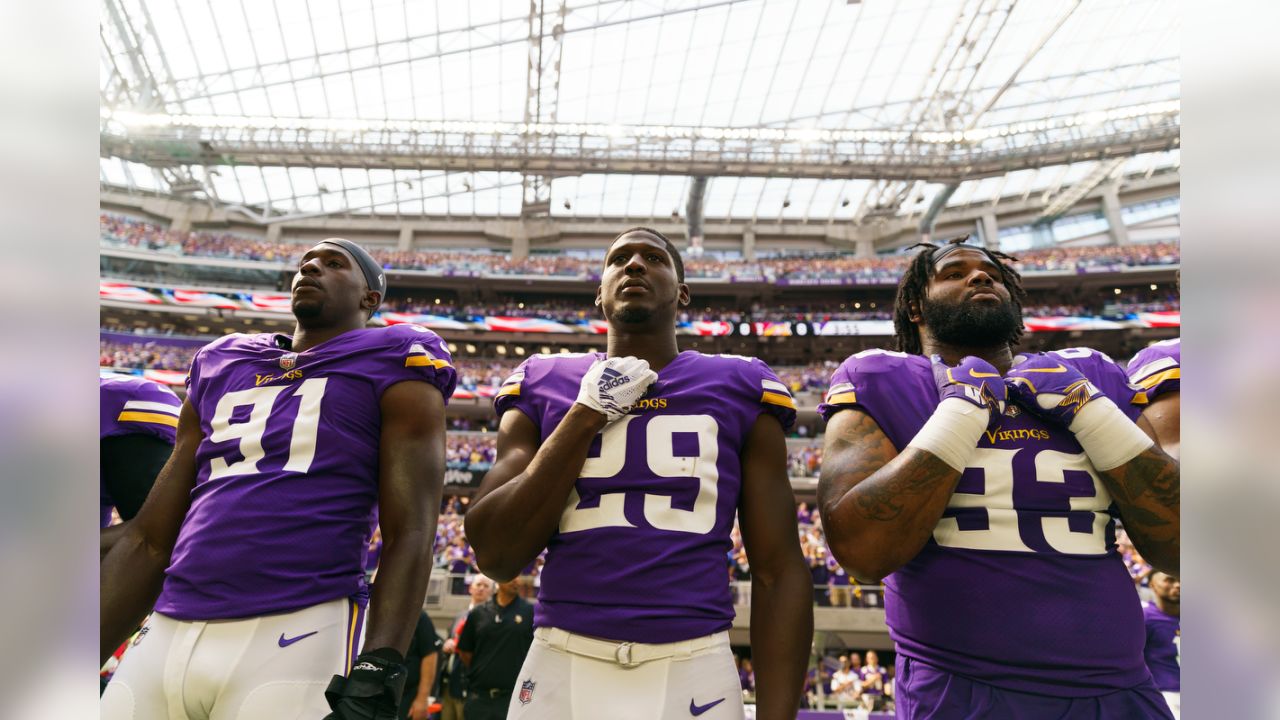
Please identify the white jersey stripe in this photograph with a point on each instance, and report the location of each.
(1152, 368)
(775, 386)
(153, 406)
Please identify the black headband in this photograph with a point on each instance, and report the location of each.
(373, 275)
(949, 248)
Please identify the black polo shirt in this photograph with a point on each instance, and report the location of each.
(498, 639)
(425, 643)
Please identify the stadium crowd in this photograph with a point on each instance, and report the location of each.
(123, 231)
(144, 355)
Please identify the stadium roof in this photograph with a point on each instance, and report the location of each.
(191, 88)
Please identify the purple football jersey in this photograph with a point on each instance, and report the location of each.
(1164, 648)
(287, 470)
(639, 555)
(1021, 585)
(129, 405)
(1157, 368)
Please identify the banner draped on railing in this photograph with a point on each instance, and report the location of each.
(280, 303)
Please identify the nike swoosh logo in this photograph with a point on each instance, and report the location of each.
(975, 373)
(1045, 370)
(286, 642)
(696, 709)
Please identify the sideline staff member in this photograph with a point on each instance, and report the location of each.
(421, 660)
(494, 642)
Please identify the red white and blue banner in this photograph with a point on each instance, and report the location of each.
(712, 328)
(500, 323)
(166, 377)
(270, 302)
(438, 322)
(125, 293)
(199, 298)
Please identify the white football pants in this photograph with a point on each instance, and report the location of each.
(576, 677)
(274, 667)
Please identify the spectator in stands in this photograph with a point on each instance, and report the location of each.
(846, 684)
(120, 231)
(873, 675)
(818, 570)
(839, 583)
(747, 676)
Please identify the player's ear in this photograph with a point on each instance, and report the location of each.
(682, 297)
(913, 312)
(371, 300)
(599, 297)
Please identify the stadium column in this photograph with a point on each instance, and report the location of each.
(864, 245)
(406, 238)
(989, 231)
(520, 243)
(1111, 211)
(273, 232)
(181, 220)
(749, 244)
(861, 238)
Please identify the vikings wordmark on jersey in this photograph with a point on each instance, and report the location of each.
(639, 553)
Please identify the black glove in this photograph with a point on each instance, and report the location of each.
(371, 691)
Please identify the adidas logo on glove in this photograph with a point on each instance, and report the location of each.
(611, 379)
(612, 386)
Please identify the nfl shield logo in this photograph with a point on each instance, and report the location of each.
(288, 361)
(526, 692)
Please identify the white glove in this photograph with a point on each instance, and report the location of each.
(612, 386)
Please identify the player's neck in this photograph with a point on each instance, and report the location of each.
(1172, 609)
(658, 349)
(1001, 356)
(504, 599)
(305, 338)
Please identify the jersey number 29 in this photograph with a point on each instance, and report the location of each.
(660, 455)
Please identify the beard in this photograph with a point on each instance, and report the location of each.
(634, 315)
(307, 309)
(969, 324)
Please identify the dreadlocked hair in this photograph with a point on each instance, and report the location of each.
(915, 283)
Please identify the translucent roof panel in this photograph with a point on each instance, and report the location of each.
(908, 65)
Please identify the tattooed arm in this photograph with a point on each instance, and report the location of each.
(1147, 491)
(878, 506)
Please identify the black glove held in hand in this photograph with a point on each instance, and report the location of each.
(371, 691)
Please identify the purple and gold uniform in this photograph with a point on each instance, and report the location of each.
(287, 469)
(1164, 648)
(129, 405)
(1157, 368)
(1020, 586)
(639, 555)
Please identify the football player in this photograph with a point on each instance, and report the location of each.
(985, 488)
(1157, 369)
(629, 467)
(251, 545)
(137, 421)
(1163, 650)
